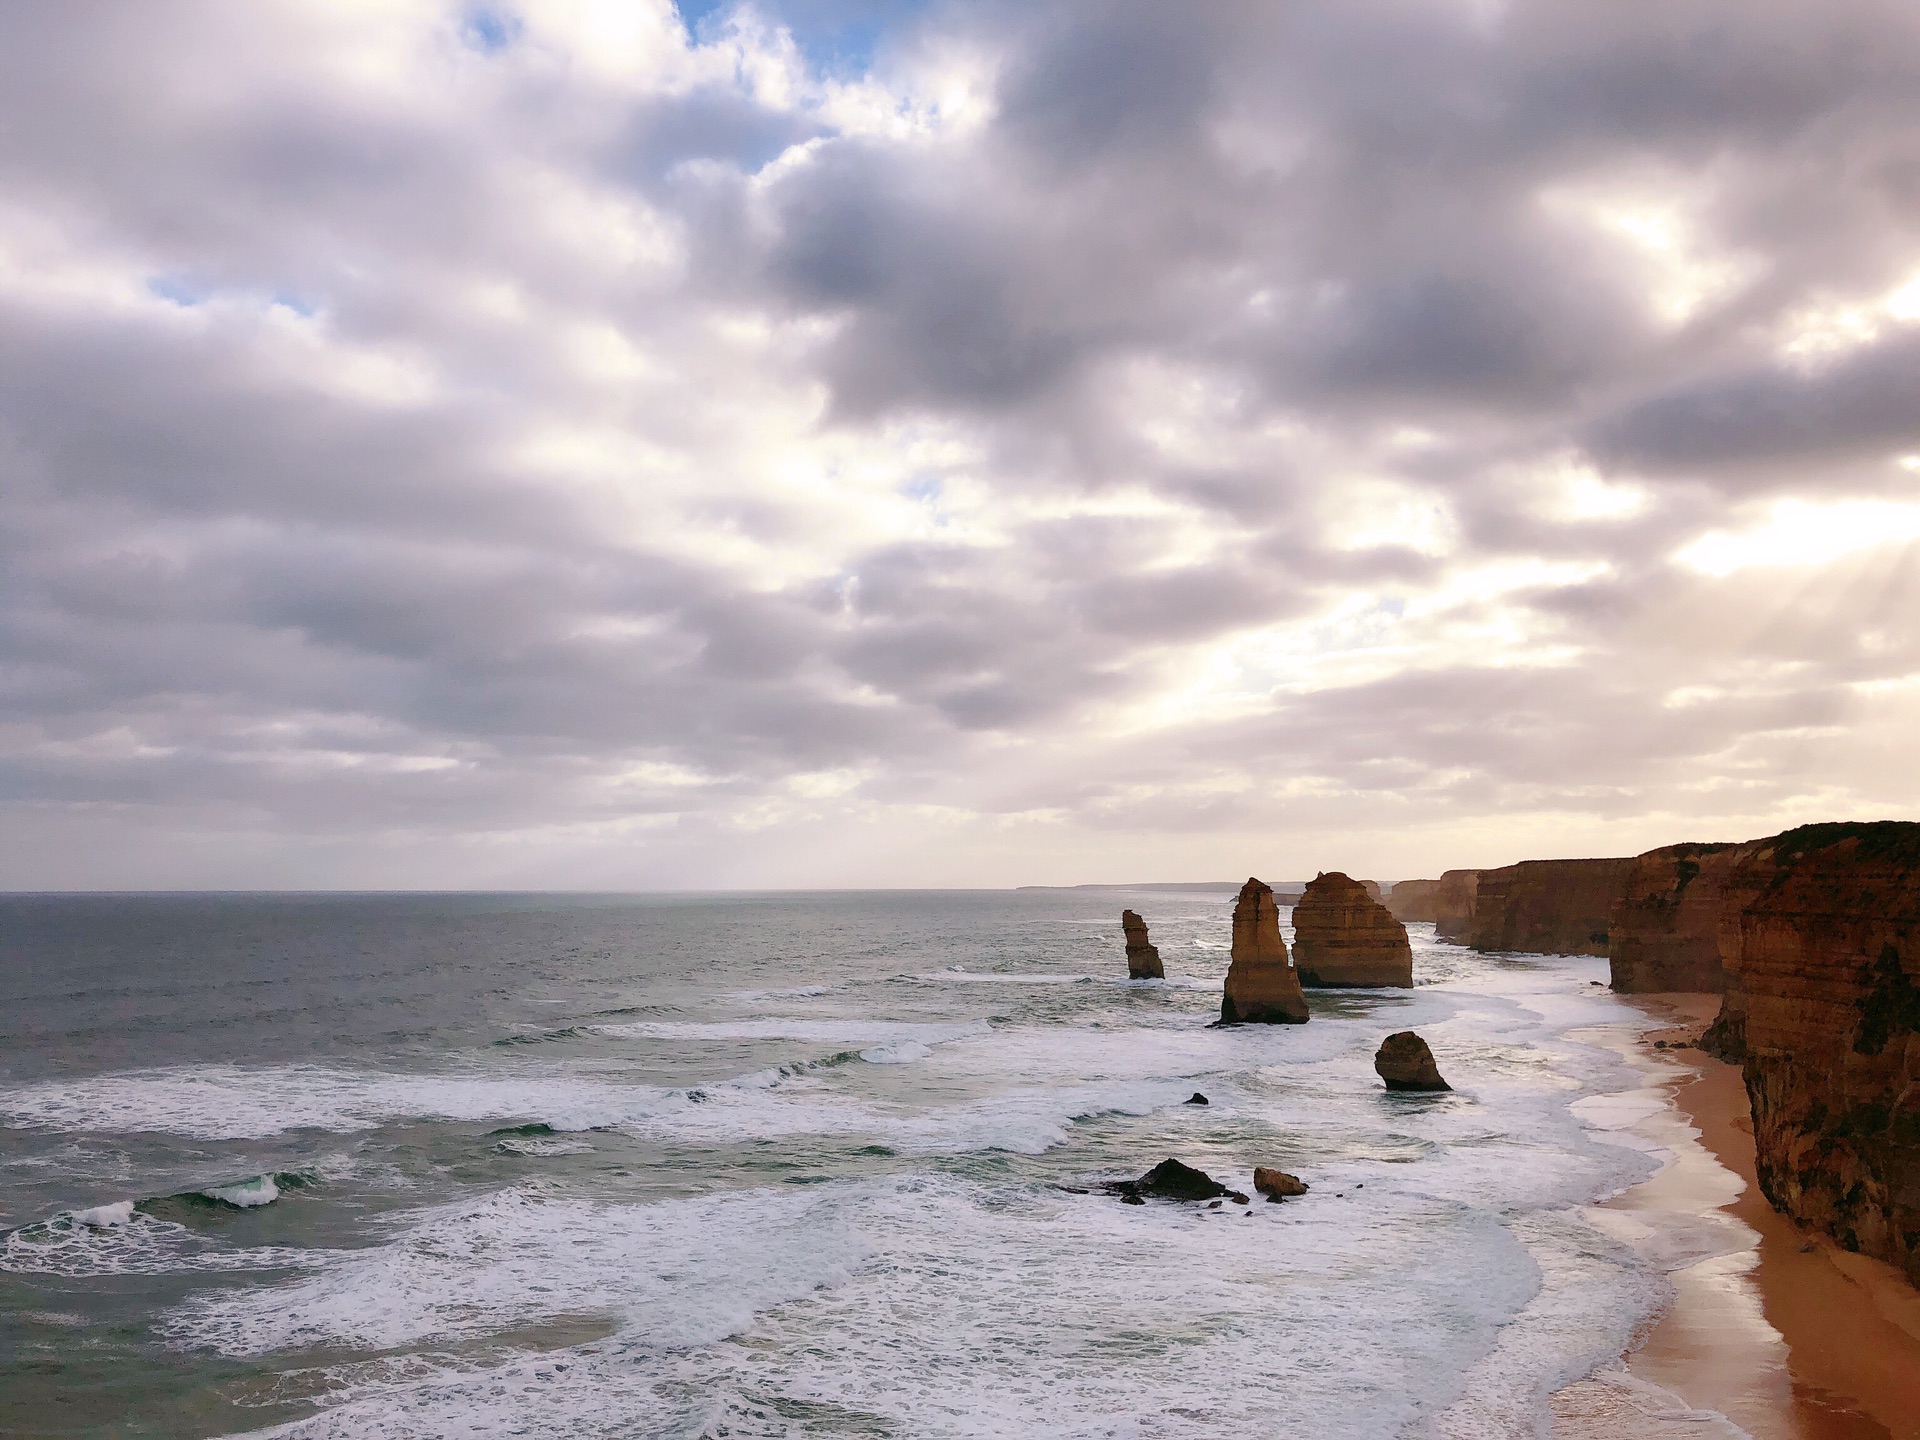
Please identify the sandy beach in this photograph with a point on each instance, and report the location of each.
(1773, 1332)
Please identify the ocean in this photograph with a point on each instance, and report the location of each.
(799, 1164)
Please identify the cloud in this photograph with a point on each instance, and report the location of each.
(832, 443)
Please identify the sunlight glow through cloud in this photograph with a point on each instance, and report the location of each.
(1803, 533)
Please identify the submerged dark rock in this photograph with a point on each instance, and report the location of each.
(1171, 1180)
(1198, 1099)
(1405, 1063)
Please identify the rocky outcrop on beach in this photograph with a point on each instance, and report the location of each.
(1405, 1063)
(1343, 936)
(1143, 960)
(1454, 898)
(1172, 1180)
(1547, 907)
(1262, 987)
(1277, 1185)
(1665, 932)
(1823, 1002)
(1413, 900)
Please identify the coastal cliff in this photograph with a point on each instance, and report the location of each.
(1824, 1004)
(1665, 930)
(1343, 936)
(1262, 987)
(1547, 907)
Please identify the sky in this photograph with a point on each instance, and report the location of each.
(610, 445)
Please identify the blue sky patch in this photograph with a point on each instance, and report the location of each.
(838, 37)
(490, 31)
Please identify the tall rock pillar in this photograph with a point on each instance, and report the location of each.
(1262, 987)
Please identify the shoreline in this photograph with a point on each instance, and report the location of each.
(1773, 1332)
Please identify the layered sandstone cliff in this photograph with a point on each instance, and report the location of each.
(1262, 986)
(1413, 900)
(1143, 958)
(1547, 907)
(1824, 1000)
(1665, 930)
(1343, 936)
(1454, 897)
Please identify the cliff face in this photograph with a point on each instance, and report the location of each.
(1454, 898)
(1262, 987)
(1826, 994)
(1664, 933)
(1411, 900)
(1143, 958)
(1547, 907)
(1343, 936)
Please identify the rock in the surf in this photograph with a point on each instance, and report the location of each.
(1197, 1099)
(1171, 1180)
(1343, 936)
(1405, 1063)
(1277, 1185)
(1261, 987)
(1143, 960)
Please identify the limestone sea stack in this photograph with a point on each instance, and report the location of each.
(1143, 960)
(1343, 936)
(1547, 907)
(1413, 900)
(1405, 1063)
(1454, 898)
(1262, 987)
(1665, 931)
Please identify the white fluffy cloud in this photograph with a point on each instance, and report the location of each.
(594, 443)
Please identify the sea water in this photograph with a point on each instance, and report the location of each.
(778, 1165)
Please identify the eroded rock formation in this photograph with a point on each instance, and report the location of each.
(1824, 1002)
(1665, 932)
(1277, 1185)
(1454, 898)
(1262, 987)
(1405, 1063)
(1343, 936)
(1547, 907)
(1143, 960)
(1413, 900)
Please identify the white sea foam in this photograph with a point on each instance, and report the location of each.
(676, 1274)
(897, 1052)
(1014, 977)
(542, 1146)
(248, 1194)
(812, 1032)
(100, 1217)
(120, 1239)
(230, 1102)
(950, 1310)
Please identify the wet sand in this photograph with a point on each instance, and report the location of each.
(1775, 1332)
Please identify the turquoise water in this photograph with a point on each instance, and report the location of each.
(772, 1165)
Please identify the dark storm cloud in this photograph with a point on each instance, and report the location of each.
(1777, 418)
(435, 423)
